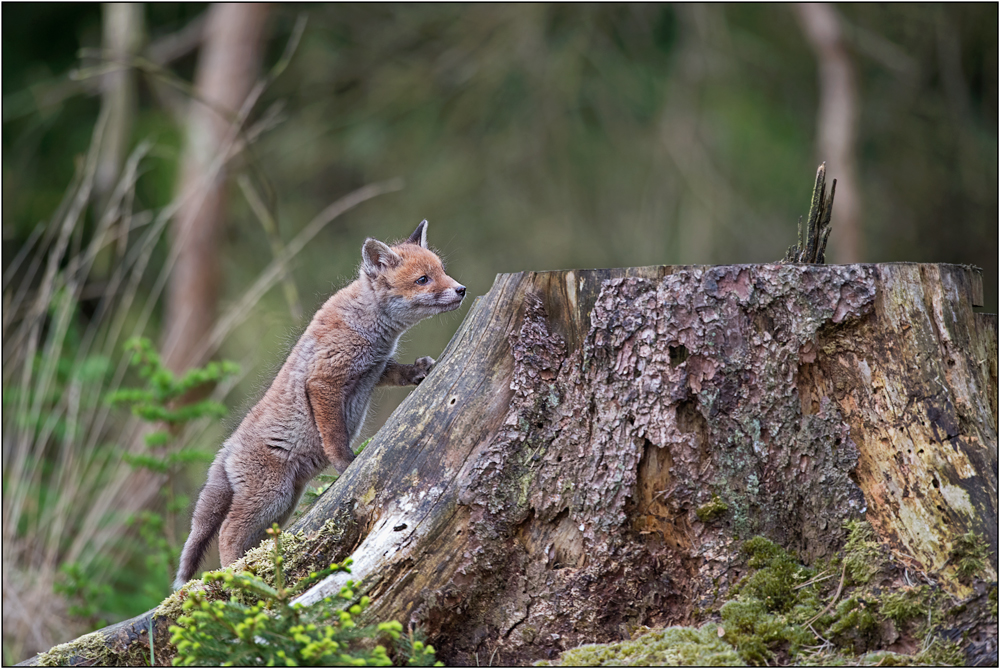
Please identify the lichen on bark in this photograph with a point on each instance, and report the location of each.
(683, 391)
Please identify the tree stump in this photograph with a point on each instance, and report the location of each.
(593, 447)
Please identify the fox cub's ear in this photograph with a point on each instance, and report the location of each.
(419, 235)
(377, 257)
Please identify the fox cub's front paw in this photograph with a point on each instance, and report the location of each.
(420, 369)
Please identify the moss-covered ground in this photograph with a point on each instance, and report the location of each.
(859, 608)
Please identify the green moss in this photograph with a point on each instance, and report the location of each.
(862, 555)
(776, 577)
(767, 616)
(773, 616)
(92, 646)
(906, 604)
(854, 618)
(939, 652)
(711, 510)
(758, 634)
(885, 658)
(969, 554)
(672, 646)
(825, 659)
(760, 551)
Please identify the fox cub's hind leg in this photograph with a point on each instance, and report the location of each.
(256, 505)
(209, 512)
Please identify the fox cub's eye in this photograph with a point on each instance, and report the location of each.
(422, 280)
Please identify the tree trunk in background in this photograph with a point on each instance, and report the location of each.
(228, 66)
(836, 125)
(122, 38)
(556, 479)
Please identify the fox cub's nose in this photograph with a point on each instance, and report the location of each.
(460, 290)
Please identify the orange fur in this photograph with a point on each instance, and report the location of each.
(316, 405)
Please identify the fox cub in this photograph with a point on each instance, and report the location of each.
(316, 405)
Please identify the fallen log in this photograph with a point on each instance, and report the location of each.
(594, 446)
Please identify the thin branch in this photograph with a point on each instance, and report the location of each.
(176, 45)
(836, 596)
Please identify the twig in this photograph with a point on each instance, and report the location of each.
(833, 601)
(815, 579)
(178, 44)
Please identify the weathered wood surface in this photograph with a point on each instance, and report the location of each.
(542, 487)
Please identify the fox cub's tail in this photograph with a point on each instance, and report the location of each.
(209, 512)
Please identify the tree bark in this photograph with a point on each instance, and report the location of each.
(541, 488)
(227, 69)
(546, 485)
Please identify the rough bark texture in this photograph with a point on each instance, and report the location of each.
(594, 445)
(542, 488)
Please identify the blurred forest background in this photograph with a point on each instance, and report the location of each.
(204, 176)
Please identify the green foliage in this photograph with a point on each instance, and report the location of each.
(84, 595)
(671, 646)
(274, 632)
(161, 400)
(711, 510)
(906, 604)
(863, 555)
(157, 402)
(970, 554)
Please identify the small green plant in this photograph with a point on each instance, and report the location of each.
(863, 554)
(970, 554)
(85, 596)
(158, 402)
(162, 402)
(711, 510)
(273, 631)
(158, 541)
